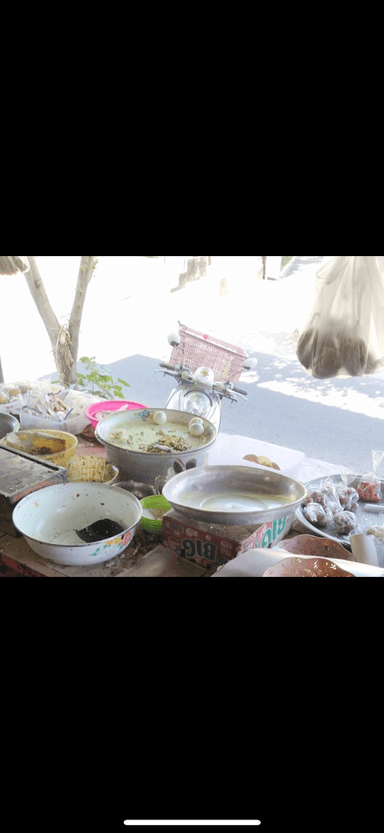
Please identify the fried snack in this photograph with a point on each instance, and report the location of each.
(51, 445)
(261, 461)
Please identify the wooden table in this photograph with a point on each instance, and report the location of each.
(144, 557)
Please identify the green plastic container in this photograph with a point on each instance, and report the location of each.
(154, 502)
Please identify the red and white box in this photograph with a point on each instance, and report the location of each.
(212, 545)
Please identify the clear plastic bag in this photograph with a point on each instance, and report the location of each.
(369, 487)
(344, 334)
(333, 506)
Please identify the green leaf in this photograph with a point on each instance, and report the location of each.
(123, 383)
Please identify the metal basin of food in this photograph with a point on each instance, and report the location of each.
(144, 466)
(233, 494)
(50, 520)
(8, 424)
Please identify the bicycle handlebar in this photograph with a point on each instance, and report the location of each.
(171, 370)
(168, 366)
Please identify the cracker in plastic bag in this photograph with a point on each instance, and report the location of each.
(344, 334)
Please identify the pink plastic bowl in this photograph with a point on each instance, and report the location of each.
(109, 405)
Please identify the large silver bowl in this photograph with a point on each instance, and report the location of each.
(144, 466)
(233, 494)
(8, 424)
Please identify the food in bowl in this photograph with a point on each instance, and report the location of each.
(154, 507)
(305, 567)
(45, 445)
(148, 436)
(155, 513)
(50, 446)
(91, 468)
(143, 449)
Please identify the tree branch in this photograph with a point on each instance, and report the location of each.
(40, 297)
(86, 270)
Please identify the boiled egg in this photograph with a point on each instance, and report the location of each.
(159, 418)
(196, 429)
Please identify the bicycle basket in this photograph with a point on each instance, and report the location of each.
(197, 350)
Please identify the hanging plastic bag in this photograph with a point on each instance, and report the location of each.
(344, 334)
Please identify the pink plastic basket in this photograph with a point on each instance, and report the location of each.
(109, 405)
(197, 350)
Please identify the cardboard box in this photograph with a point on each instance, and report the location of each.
(211, 545)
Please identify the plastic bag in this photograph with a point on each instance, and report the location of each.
(333, 506)
(318, 514)
(344, 334)
(369, 487)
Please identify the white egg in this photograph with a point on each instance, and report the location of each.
(159, 418)
(196, 429)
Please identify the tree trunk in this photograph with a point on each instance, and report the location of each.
(86, 270)
(64, 338)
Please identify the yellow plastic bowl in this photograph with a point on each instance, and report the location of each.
(154, 502)
(59, 459)
(90, 468)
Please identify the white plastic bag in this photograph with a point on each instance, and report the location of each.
(344, 334)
